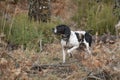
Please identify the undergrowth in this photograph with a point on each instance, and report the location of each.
(98, 17)
(21, 31)
(91, 15)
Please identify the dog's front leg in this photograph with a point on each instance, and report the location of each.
(63, 43)
(73, 48)
(64, 55)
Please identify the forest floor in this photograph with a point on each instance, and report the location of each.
(104, 64)
(20, 64)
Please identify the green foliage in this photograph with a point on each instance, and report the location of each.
(91, 15)
(117, 12)
(24, 32)
(102, 20)
(96, 16)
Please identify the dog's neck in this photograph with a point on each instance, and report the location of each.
(65, 38)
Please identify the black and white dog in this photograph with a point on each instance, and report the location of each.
(72, 39)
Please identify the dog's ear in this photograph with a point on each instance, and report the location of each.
(67, 31)
(63, 29)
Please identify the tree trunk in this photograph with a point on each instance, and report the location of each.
(39, 10)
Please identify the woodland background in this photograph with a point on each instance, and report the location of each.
(30, 51)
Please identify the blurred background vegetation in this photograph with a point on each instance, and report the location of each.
(97, 15)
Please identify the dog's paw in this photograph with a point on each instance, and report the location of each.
(68, 51)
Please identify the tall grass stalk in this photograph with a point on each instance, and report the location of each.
(11, 24)
(22, 31)
(96, 16)
(3, 19)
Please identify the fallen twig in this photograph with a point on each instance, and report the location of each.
(94, 77)
(45, 66)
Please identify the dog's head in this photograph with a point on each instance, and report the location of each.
(62, 29)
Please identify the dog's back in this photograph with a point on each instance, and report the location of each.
(83, 35)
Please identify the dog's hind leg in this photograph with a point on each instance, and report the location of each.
(70, 50)
(88, 51)
(88, 48)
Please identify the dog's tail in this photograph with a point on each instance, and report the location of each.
(89, 31)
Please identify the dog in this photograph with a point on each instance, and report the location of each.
(72, 39)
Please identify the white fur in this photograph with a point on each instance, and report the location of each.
(72, 39)
(55, 30)
(74, 43)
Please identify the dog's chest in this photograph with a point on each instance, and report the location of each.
(66, 43)
(72, 41)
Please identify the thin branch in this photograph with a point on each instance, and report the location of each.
(94, 77)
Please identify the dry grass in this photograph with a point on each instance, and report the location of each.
(17, 64)
(65, 9)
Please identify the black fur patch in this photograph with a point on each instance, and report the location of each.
(88, 38)
(78, 37)
(65, 30)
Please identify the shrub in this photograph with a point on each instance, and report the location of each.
(21, 31)
(96, 16)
